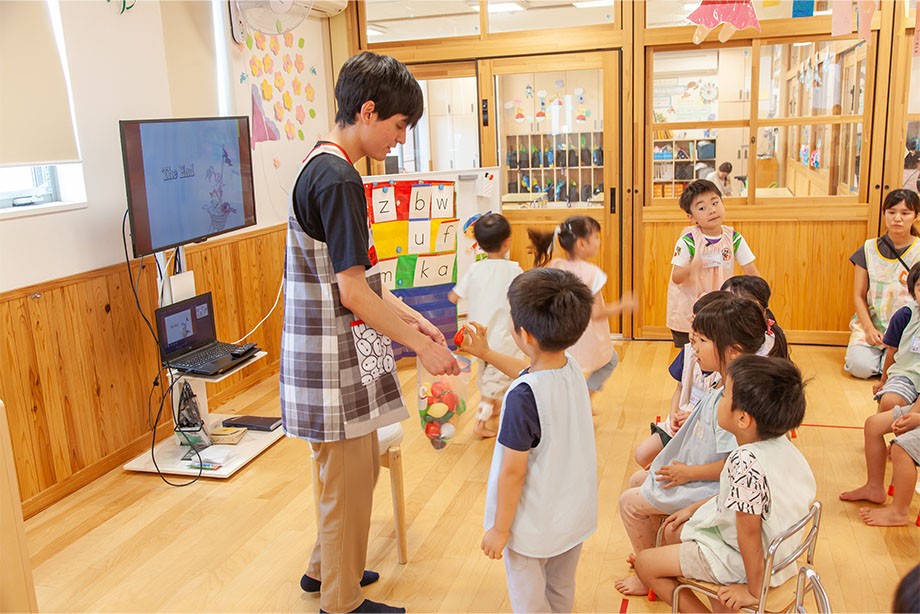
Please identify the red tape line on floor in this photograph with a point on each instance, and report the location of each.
(623, 605)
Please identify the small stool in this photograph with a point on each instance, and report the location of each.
(389, 438)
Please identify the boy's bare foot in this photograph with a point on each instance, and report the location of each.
(631, 560)
(865, 493)
(480, 430)
(631, 585)
(883, 516)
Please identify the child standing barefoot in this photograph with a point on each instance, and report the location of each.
(765, 487)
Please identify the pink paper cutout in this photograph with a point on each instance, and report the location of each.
(842, 17)
(263, 129)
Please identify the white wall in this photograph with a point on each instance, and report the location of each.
(119, 71)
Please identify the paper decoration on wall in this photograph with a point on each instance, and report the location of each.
(313, 70)
(276, 162)
(733, 15)
(263, 129)
(290, 89)
(841, 17)
(528, 90)
(769, 3)
(244, 77)
(865, 9)
(519, 115)
(917, 35)
(803, 8)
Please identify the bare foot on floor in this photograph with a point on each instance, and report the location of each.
(480, 430)
(631, 560)
(631, 585)
(865, 493)
(883, 516)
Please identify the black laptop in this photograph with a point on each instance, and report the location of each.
(188, 339)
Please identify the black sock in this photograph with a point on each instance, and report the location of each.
(375, 608)
(312, 585)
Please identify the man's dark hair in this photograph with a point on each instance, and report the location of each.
(771, 390)
(552, 305)
(725, 167)
(695, 189)
(385, 80)
(490, 231)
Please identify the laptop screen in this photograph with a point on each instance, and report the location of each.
(186, 325)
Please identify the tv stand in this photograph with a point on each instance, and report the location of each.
(169, 452)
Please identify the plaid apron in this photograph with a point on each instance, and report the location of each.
(338, 375)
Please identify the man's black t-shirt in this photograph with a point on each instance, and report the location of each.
(330, 205)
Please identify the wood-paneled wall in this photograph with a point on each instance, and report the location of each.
(78, 362)
(805, 262)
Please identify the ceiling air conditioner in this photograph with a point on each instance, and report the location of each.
(328, 8)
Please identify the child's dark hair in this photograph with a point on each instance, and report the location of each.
(735, 322)
(757, 289)
(710, 298)
(771, 390)
(385, 80)
(907, 595)
(552, 305)
(725, 167)
(491, 231)
(913, 275)
(909, 198)
(569, 231)
(695, 189)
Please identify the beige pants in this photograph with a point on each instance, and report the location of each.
(542, 585)
(347, 474)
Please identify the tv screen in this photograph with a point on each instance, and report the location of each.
(186, 180)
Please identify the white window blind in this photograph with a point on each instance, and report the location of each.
(35, 122)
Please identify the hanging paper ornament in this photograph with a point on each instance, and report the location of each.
(734, 15)
(288, 39)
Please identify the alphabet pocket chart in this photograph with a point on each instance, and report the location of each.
(414, 225)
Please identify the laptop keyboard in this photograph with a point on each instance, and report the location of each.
(205, 356)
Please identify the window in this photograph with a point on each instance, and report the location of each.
(806, 139)
(544, 14)
(391, 20)
(709, 88)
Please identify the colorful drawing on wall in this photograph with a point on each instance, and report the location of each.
(732, 15)
(263, 129)
(680, 99)
(414, 230)
(296, 98)
(916, 52)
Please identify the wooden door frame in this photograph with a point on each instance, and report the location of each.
(615, 233)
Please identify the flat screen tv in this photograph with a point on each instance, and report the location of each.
(186, 180)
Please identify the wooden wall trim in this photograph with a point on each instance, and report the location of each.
(78, 480)
(533, 42)
(795, 211)
(79, 361)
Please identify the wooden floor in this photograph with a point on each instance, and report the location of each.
(130, 543)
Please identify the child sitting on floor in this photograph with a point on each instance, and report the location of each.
(900, 382)
(765, 487)
(902, 421)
